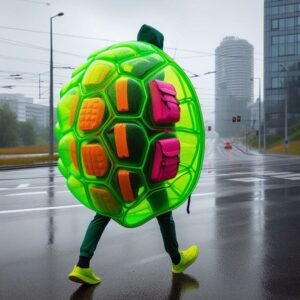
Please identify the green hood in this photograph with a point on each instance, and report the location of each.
(151, 35)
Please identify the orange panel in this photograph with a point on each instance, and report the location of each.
(73, 110)
(91, 114)
(121, 140)
(121, 95)
(105, 201)
(73, 154)
(94, 159)
(125, 185)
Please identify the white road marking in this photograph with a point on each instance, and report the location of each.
(204, 194)
(23, 185)
(33, 193)
(38, 209)
(287, 176)
(293, 178)
(33, 187)
(149, 259)
(247, 179)
(272, 173)
(236, 173)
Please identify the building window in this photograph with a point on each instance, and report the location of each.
(274, 50)
(281, 9)
(281, 24)
(275, 24)
(274, 67)
(274, 10)
(290, 22)
(281, 51)
(290, 8)
(278, 82)
(275, 40)
(290, 49)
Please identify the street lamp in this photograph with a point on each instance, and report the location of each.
(51, 136)
(259, 113)
(286, 141)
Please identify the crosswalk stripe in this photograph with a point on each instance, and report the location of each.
(23, 185)
(246, 179)
(287, 176)
(39, 209)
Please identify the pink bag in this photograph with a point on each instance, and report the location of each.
(166, 159)
(165, 106)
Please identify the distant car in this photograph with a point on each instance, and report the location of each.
(227, 145)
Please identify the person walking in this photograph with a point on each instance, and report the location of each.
(82, 272)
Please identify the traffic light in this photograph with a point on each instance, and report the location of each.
(233, 119)
(238, 118)
(209, 128)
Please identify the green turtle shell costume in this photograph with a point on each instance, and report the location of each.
(130, 133)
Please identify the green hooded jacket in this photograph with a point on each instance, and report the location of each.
(151, 35)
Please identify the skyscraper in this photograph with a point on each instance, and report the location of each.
(281, 65)
(233, 85)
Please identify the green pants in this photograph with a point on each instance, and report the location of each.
(98, 224)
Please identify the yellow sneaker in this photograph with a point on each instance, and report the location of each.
(187, 257)
(84, 275)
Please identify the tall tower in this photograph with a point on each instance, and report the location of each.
(233, 85)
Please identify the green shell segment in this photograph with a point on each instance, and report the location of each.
(107, 136)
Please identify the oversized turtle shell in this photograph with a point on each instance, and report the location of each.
(98, 171)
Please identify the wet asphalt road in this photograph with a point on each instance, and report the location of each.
(245, 217)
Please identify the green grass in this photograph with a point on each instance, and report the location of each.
(294, 148)
(25, 150)
(27, 160)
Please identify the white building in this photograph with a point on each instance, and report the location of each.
(25, 109)
(233, 85)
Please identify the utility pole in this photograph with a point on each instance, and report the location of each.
(259, 115)
(39, 86)
(51, 133)
(286, 138)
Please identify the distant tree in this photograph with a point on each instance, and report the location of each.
(9, 129)
(28, 133)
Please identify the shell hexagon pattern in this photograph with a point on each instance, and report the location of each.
(130, 133)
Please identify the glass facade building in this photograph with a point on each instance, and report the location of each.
(281, 64)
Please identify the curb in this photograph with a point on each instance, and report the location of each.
(37, 165)
(247, 153)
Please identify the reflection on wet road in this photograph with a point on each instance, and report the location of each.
(245, 217)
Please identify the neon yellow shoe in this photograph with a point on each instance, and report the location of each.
(187, 257)
(84, 275)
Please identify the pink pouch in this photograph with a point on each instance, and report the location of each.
(166, 159)
(165, 106)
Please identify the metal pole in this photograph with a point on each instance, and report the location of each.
(259, 117)
(51, 143)
(264, 106)
(40, 86)
(51, 133)
(286, 124)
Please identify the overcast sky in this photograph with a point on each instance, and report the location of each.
(186, 24)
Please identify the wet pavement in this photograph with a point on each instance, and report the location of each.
(245, 217)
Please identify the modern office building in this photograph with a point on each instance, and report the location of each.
(25, 109)
(233, 85)
(281, 65)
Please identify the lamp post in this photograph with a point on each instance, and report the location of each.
(259, 113)
(51, 136)
(286, 141)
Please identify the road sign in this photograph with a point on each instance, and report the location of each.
(286, 142)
